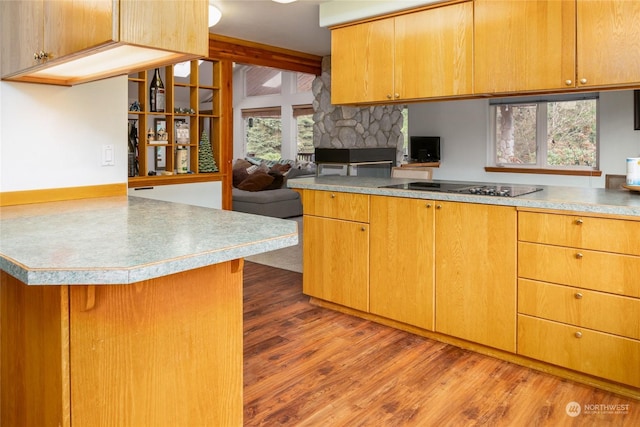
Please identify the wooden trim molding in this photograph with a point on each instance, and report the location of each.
(10, 198)
(544, 171)
(246, 52)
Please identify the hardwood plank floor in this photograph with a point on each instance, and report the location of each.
(309, 366)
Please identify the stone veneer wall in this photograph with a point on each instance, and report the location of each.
(337, 126)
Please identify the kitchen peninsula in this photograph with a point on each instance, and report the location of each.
(125, 311)
(547, 279)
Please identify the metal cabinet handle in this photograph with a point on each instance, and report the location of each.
(578, 334)
(428, 205)
(568, 82)
(333, 196)
(583, 81)
(388, 96)
(579, 255)
(579, 221)
(578, 295)
(363, 228)
(397, 95)
(438, 206)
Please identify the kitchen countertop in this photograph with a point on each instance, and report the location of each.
(588, 200)
(123, 240)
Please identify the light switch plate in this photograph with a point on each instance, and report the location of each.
(108, 155)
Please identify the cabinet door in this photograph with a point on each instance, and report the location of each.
(22, 34)
(608, 42)
(401, 260)
(362, 62)
(476, 273)
(524, 45)
(336, 261)
(66, 30)
(433, 52)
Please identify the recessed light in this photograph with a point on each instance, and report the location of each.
(284, 1)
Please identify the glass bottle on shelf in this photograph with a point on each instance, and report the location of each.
(156, 93)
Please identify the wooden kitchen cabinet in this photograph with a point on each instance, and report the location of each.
(578, 297)
(38, 36)
(423, 54)
(476, 273)
(52, 27)
(336, 252)
(608, 43)
(401, 284)
(164, 351)
(362, 62)
(522, 46)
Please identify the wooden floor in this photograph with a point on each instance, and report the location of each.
(309, 366)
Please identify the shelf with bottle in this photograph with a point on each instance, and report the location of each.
(172, 137)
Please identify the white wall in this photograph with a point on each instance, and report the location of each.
(52, 136)
(286, 99)
(463, 128)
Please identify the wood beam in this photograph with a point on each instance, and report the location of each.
(246, 52)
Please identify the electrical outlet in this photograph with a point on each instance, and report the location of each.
(108, 155)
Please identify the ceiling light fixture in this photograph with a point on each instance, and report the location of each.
(284, 1)
(214, 15)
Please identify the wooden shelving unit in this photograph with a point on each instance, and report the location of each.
(195, 99)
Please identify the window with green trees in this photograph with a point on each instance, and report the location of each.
(554, 133)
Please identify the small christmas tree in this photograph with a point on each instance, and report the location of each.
(206, 162)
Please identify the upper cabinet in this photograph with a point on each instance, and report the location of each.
(608, 45)
(362, 62)
(70, 42)
(523, 46)
(417, 55)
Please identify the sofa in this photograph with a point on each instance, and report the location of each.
(260, 187)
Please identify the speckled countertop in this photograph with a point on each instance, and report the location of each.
(593, 200)
(122, 240)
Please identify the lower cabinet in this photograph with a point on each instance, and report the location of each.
(401, 281)
(336, 251)
(603, 355)
(476, 273)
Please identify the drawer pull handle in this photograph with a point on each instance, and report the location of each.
(438, 206)
(578, 334)
(578, 295)
(363, 228)
(428, 205)
(579, 255)
(579, 221)
(333, 196)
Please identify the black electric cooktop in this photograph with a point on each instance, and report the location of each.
(496, 190)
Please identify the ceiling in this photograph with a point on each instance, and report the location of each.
(293, 26)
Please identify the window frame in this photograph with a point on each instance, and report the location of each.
(541, 165)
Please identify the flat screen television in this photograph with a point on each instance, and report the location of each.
(424, 149)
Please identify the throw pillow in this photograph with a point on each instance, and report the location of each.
(239, 175)
(256, 181)
(278, 180)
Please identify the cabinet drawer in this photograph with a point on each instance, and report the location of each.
(602, 234)
(594, 310)
(600, 271)
(594, 353)
(332, 204)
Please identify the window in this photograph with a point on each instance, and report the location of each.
(263, 132)
(304, 137)
(551, 133)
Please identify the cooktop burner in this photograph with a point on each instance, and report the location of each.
(499, 190)
(468, 188)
